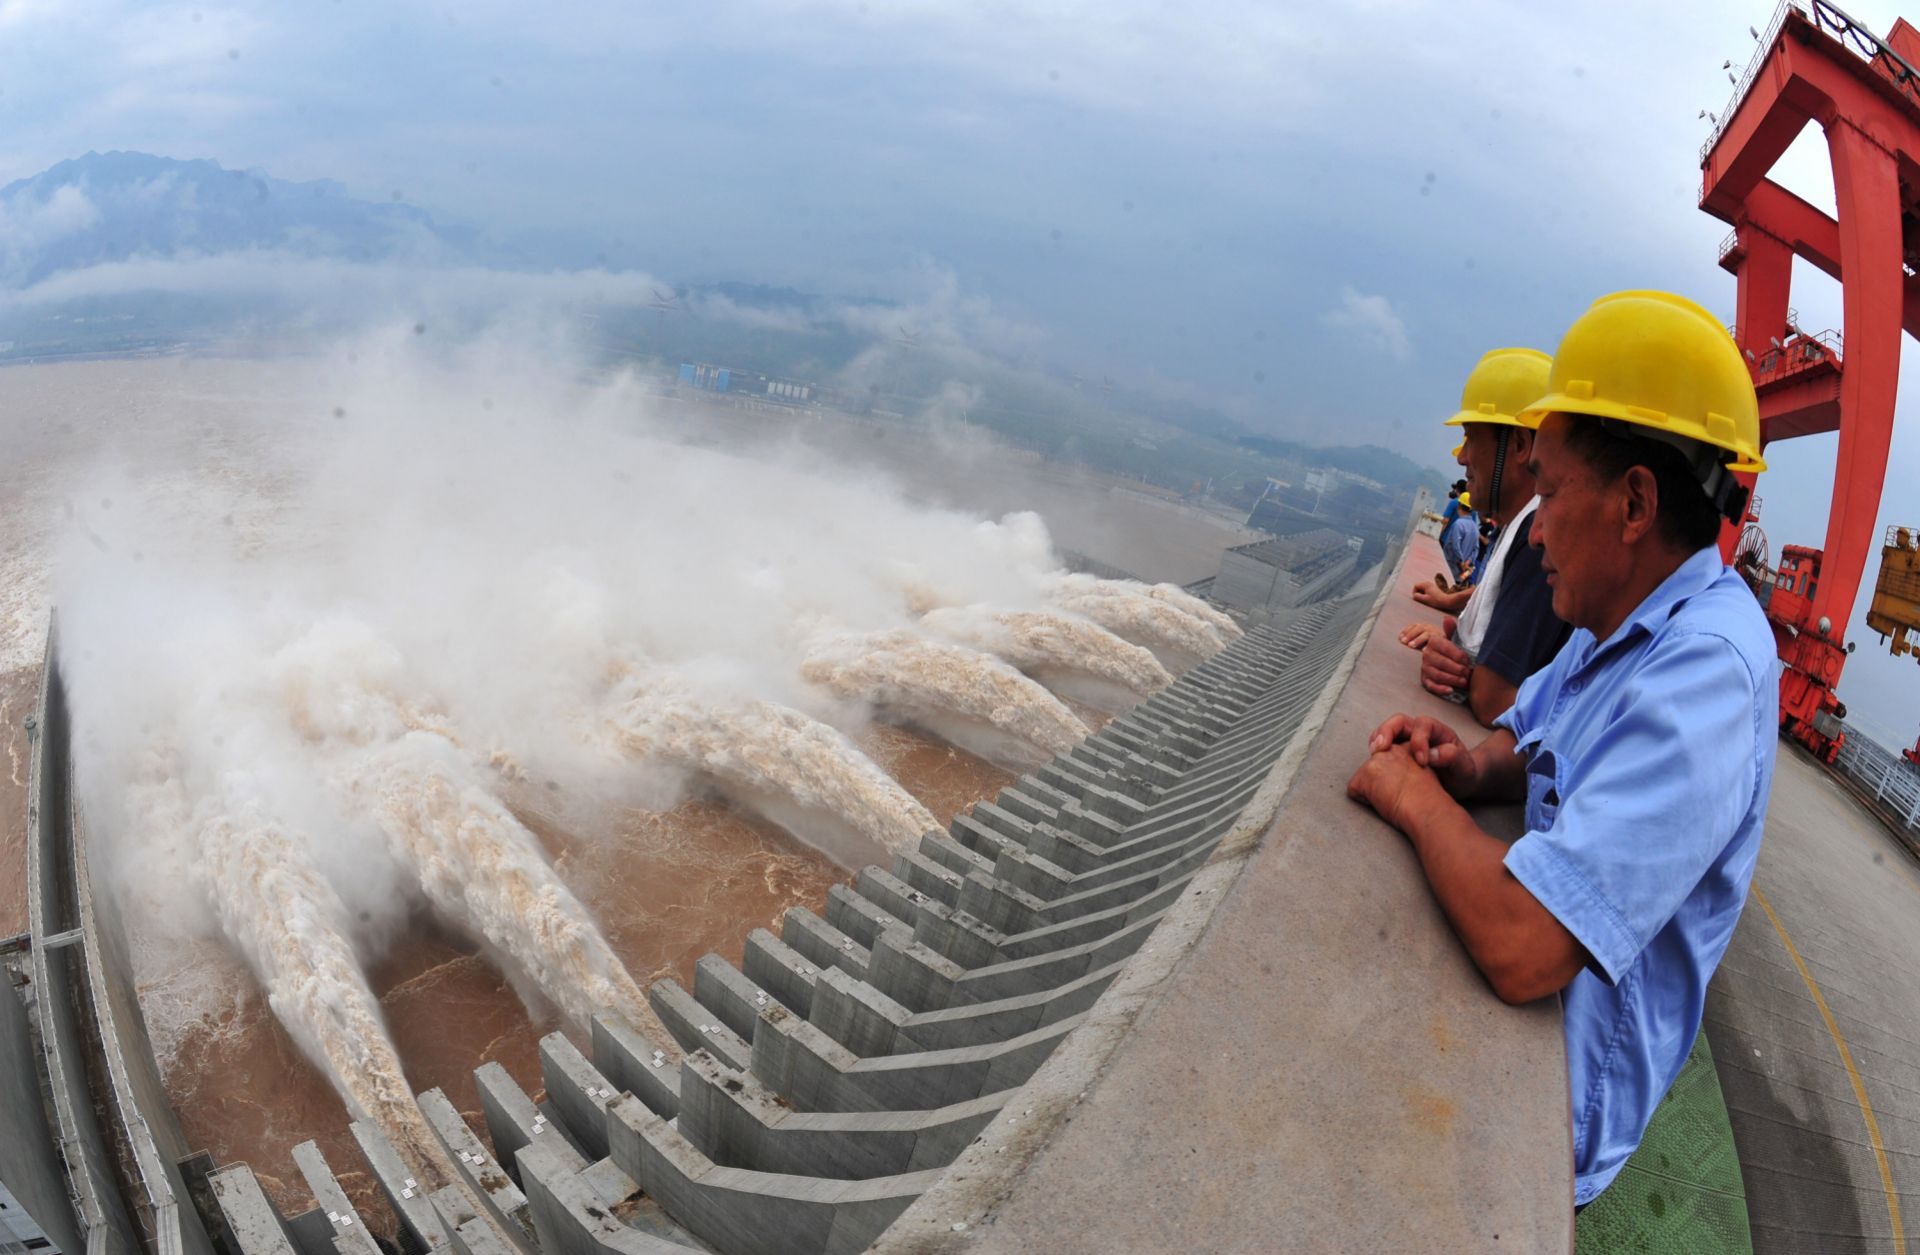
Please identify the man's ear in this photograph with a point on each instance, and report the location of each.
(1638, 503)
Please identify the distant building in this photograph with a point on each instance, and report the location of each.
(1330, 478)
(1341, 502)
(1285, 571)
(1424, 520)
(705, 377)
(746, 384)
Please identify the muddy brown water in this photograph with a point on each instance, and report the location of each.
(667, 889)
(19, 692)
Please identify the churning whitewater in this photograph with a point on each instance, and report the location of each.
(936, 683)
(773, 759)
(1161, 617)
(479, 580)
(291, 926)
(1041, 642)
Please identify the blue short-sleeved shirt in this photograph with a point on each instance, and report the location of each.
(1461, 543)
(1650, 757)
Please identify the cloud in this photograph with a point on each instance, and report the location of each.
(336, 286)
(1375, 319)
(28, 224)
(718, 307)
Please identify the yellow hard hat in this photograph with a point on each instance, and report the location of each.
(1466, 501)
(1456, 450)
(1503, 383)
(1661, 362)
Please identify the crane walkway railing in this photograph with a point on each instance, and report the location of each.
(1801, 352)
(1852, 34)
(1890, 779)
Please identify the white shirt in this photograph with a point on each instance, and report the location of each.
(1472, 627)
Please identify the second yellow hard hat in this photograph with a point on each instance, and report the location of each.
(1503, 382)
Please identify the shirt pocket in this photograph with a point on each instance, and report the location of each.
(1543, 790)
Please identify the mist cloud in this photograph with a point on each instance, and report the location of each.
(33, 224)
(326, 284)
(1376, 321)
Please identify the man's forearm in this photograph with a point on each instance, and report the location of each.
(1489, 694)
(1497, 773)
(1522, 951)
(1449, 603)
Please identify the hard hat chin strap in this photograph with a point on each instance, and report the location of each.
(1501, 437)
(1729, 495)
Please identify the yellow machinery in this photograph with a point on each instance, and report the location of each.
(1895, 611)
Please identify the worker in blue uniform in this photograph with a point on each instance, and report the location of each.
(1644, 751)
(1506, 629)
(1460, 541)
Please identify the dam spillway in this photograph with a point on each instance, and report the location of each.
(1170, 988)
(828, 1079)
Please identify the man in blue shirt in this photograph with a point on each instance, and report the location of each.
(1460, 543)
(1644, 751)
(1506, 629)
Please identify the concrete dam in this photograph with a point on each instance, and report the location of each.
(814, 1097)
(1170, 990)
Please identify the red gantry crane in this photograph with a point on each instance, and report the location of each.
(1816, 64)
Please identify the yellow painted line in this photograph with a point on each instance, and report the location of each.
(1853, 1074)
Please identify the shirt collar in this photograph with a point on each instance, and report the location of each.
(1690, 578)
(1523, 512)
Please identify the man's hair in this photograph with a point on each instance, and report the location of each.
(1459, 486)
(1687, 518)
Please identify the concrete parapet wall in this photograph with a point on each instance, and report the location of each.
(117, 1136)
(31, 1167)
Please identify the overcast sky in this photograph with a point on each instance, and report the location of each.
(1315, 216)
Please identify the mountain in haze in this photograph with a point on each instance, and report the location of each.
(122, 206)
(101, 209)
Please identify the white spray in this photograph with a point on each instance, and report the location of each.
(447, 497)
(774, 758)
(958, 692)
(277, 910)
(476, 863)
(1132, 612)
(1043, 641)
(1212, 616)
(481, 868)
(292, 927)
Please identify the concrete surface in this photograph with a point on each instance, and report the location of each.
(31, 1170)
(67, 1043)
(1325, 1071)
(1846, 896)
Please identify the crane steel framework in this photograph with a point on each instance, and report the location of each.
(1816, 64)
